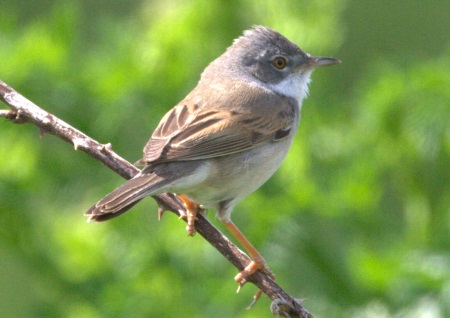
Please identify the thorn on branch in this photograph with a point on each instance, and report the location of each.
(161, 211)
(106, 148)
(77, 142)
(42, 132)
(46, 120)
(14, 116)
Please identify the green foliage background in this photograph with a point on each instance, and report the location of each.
(356, 221)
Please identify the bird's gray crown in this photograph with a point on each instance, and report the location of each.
(262, 40)
(251, 56)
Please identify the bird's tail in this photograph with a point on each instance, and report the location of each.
(126, 196)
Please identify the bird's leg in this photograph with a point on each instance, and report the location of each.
(257, 263)
(192, 209)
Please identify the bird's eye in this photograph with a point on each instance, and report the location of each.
(279, 62)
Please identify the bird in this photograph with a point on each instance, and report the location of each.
(227, 137)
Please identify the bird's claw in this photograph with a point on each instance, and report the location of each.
(255, 265)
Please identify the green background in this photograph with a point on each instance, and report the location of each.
(356, 221)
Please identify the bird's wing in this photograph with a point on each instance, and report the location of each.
(189, 132)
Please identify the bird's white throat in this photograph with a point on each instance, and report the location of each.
(295, 86)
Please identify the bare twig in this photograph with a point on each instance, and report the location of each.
(23, 110)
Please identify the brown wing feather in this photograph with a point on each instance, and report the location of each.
(188, 132)
(171, 124)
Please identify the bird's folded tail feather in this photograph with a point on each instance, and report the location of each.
(125, 197)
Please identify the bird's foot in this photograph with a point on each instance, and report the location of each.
(258, 263)
(192, 210)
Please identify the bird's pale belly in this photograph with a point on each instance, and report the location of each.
(232, 180)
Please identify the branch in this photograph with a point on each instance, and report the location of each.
(23, 110)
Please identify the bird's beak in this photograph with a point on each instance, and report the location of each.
(316, 61)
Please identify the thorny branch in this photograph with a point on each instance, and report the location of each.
(22, 111)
